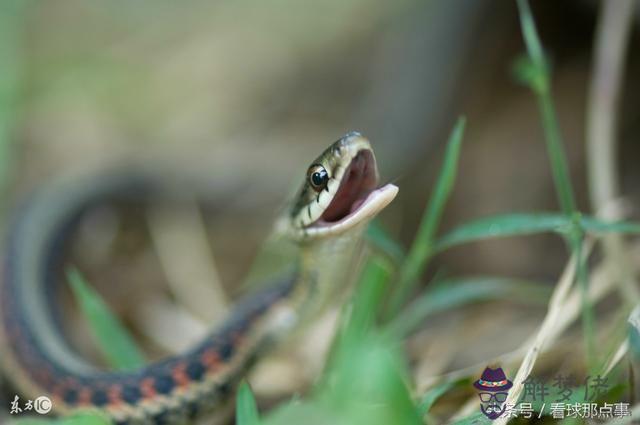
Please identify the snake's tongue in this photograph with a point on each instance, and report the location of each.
(360, 179)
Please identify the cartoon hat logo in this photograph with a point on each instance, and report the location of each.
(493, 388)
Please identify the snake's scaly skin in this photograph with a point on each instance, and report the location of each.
(170, 391)
(39, 361)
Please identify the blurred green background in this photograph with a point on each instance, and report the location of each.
(259, 88)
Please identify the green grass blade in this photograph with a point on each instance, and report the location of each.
(246, 410)
(594, 225)
(542, 88)
(368, 383)
(634, 334)
(540, 84)
(435, 393)
(370, 294)
(367, 299)
(477, 418)
(422, 246)
(458, 292)
(501, 226)
(114, 341)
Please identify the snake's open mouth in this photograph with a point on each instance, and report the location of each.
(358, 196)
(358, 181)
(341, 191)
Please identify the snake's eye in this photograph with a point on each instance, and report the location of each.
(318, 177)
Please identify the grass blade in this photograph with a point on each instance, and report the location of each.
(435, 393)
(477, 418)
(501, 226)
(594, 225)
(370, 294)
(114, 341)
(541, 86)
(422, 246)
(361, 314)
(458, 292)
(634, 333)
(246, 410)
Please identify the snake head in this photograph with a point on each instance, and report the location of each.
(340, 191)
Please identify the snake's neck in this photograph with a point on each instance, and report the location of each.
(328, 269)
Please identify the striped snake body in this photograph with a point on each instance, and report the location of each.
(338, 197)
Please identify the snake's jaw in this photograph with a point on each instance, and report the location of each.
(368, 208)
(349, 197)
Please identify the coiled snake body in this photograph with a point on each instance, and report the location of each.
(338, 197)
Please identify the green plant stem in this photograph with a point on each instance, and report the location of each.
(556, 152)
(576, 240)
(541, 86)
(423, 245)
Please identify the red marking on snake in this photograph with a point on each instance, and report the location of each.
(179, 375)
(57, 392)
(114, 394)
(84, 396)
(211, 359)
(147, 387)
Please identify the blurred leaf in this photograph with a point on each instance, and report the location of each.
(458, 292)
(365, 379)
(361, 313)
(314, 412)
(367, 384)
(381, 239)
(246, 410)
(422, 246)
(634, 333)
(527, 73)
(594, 225)
(435, 393)
(114, 341)
(369, 294)
(84, 418)
(477, 418)
(501, 226)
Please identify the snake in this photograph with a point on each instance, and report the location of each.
(339, 195)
